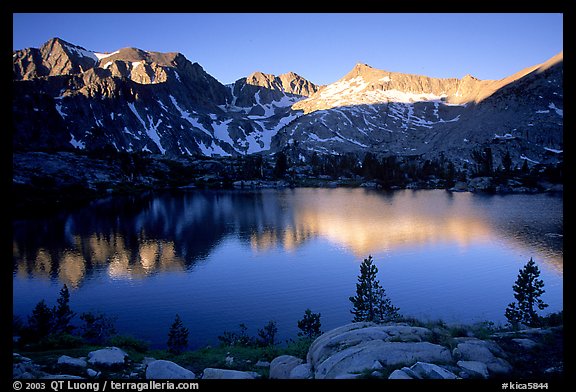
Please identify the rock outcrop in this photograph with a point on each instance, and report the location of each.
(107, 357)
(406, 352)
(282, 366)
(164, 370)
(488, 352)
(227, 374)
(66, 361)
(392, 113)
(356, 350)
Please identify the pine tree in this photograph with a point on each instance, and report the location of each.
(281, 165)
(177, 336)
(309, 325)
(41, 322)
(62, 312)
(370, 302)
(527, 291)
(507, 162)
(384, 308)
(525, 169)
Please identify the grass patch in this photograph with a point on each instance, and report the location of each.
(244, 357)
(49, 357)
(128, 342)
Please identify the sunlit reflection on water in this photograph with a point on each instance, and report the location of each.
(228, 257)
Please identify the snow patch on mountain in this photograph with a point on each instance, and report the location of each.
(59, 110)
(101, 56)
(186, 116)
(151, 129)
(152, 132)
(261, 140)
(82, 52)
(221, 132)
(555, 151)
(559, 112)
(77, 144)
(212, 149)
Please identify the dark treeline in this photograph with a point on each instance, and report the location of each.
(85, 175)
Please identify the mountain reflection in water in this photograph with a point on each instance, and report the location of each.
(133, 237)
(221, 258)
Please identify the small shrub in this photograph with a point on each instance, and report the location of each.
(61, 341)
(299, 347)
(458, 331)
(484, 329)
(553, 319)
(229, 338)
(267, 335)
(97, 327)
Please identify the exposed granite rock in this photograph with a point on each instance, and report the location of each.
(474, 368)
(431, 371)
(162, 369)
(107, 357)
(65, 360)
(281, 366)
(218, 374)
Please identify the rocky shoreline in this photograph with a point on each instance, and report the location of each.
(51, 179)
(362, 350)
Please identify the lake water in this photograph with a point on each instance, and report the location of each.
(221, 258)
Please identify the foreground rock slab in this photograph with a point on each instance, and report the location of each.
(354, 348)
(65, 360)
(281, 366)
(356, 333)
(219, 374)
(488, 352)
(107, 357)
(167, 370)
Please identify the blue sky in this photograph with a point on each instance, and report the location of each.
(322, 47)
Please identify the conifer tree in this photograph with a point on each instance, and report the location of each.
(384, 308)
(62, 312)
(281, 165)
(507, 162)
(527, 291)
(41, 322)
(371, 302)
(177, 336)
(309, 325)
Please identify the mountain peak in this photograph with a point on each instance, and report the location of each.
(363, 70)
(469, 77)
(362, 66)
(57, 44)
(58, 40)
(258, 78)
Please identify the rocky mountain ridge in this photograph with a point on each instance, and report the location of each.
(67, 97)
(421, 117)
(132, 100)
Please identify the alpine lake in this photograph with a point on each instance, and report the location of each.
(219, 258)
